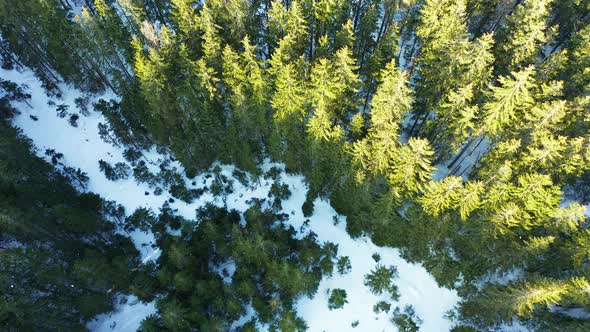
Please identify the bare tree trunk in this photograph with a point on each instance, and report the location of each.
(9, 54)
(495, 25)
(159, 12)
(462, 152)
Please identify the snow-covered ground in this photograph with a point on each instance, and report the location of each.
(465, 163)
(82, 148)
(127, 317)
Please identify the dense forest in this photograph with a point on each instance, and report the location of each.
(455, 130)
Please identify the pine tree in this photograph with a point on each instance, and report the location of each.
(523, 36)
(449, 194)
(537, 194)
(288, 102)
(211, 40)
(67, 258)
(458, 108)
(186, 20)
(249, 114)
(380, 281)
(392, 100)
(508, 103)
(294, 27)
(580, 248)
(441, 196)
(578, 293)
(500, 303)
(536, 246)
(568, 219)
(405, 166)
(332, 84)
(106, 38)
(324, 91)
(545, 151)
(134, 15)
(503, 85)
(151, 70)
(42, 36)
(482, 14)
(443, 35)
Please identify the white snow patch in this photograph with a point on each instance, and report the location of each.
(128, 314)
(500, 277)
(416, 286)
(515, 326)
(571, 312)
(466, 162)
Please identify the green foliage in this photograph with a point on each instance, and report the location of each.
(277, 193)
(580, 248)
(524, 34)
(120, 171)
(344, 265)
(463, 328)
(376, 257)
(443, 34)
(221, 185)
(266, 275)
(501, 302)
(307, 206)
(337, 299)
(505, 101)
(381, 280)
(141, 219)
(406, 321)
(381, 306)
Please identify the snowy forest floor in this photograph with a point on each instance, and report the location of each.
(82, 147)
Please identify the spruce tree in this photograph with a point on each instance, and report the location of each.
(523, 35)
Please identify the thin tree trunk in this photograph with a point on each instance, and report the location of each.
(54, 80)
(414, 124)
(482, 138)
(90, 7)
(356, 16)
(10, 55)
(462, 152)
(383, 27)
(478, 143)
(42, 52)
(495, 25)
(422, 123)
(101, 23)
(159, 12)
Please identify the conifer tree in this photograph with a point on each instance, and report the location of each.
(186, 21)
(391, 102)
(211, 40)
(442, 195)
(501, 302)
(288, 102)
(107, 38)
(443, 35)
(249, 114)
(293, 26)
(523, 35)
(509, 101)
(332, 85)
(66, 258)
